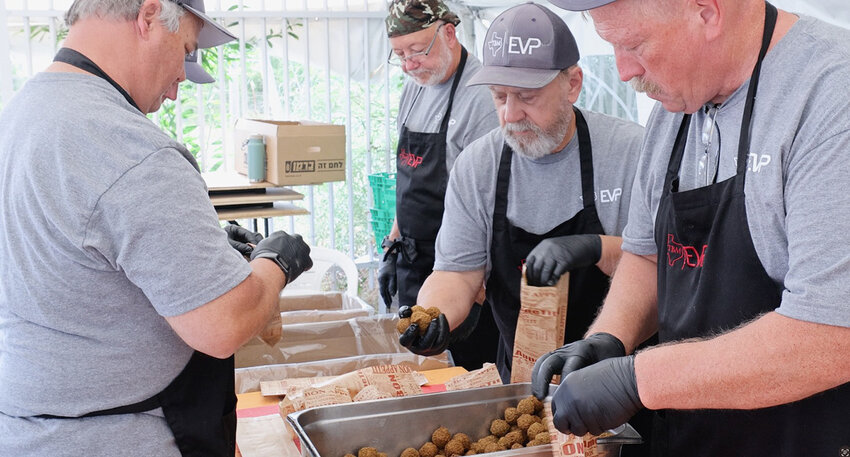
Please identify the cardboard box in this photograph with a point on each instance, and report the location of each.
(297, 152)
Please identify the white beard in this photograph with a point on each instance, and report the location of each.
(433, 77)
(545, 141)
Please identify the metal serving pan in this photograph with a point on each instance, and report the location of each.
(393, 424)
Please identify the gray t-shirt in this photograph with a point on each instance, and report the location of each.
(473, 112)
(798, 207)
(542, 194)
(106, 228)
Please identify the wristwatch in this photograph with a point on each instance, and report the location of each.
(276, 259)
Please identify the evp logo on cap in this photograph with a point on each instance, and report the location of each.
(516, 44)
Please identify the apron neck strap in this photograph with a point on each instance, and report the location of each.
(770, 15)
(444, 125)
(671, 180)
(77, 59)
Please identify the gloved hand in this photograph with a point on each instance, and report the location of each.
(239, 237)
(553, 257)
(289, 252)
(438, 336)
(433, 342)
(597, 398)
(387, 278)
(571, 357)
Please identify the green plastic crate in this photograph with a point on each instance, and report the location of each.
(382, 223)
(383, 190)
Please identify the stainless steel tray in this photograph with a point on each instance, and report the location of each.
(393, 424)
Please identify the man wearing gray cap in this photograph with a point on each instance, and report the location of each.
(548, 189)
(438, 117)
(735, 250)
(121, 299)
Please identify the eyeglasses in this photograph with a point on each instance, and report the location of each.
(708, 162)
(397, 60)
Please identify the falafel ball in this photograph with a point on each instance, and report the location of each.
(494, 447)
(402, 324)
(538, 405)
(454, 447)
(463, 438)
(516, 446)
(367, 452)
(434, 312)
(536, 428)
(471, 452)
(526, 420)
(499, 427)
(543, 436)
(428, 449)
(410, 452)
(525, 406)
(441, 436)
(511, 415)
(422, 319)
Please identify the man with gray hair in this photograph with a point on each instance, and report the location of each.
(437, 118)
(549, 189)
(736, 250)
(121, 300)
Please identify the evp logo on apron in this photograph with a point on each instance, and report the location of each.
(688, 255)
(409, 159)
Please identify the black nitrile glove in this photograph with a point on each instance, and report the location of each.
(597, 398)
(433, 342)
(289, 252)
(438, 336)
(571, 357)
(239, 237)
(387, 282)
(553, 257)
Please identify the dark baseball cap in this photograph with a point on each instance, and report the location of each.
(212, 33)
(580, 5)
(526, 46)
(194, 71)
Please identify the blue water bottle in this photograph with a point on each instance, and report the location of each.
(256, 155)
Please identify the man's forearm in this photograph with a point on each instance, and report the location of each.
(630, 311)
(611, 254)
(770, 361)
(452, 292)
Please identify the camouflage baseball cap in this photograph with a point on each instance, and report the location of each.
(408, 16)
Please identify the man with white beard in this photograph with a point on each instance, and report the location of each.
(549, 189)
(437, 118)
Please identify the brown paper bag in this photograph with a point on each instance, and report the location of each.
(540, 326)
(570, 445)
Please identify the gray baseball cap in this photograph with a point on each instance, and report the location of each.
(194, 71)
(212, 33)
(526, 46)
(580, 5)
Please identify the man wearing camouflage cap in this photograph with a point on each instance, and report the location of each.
(437, 118)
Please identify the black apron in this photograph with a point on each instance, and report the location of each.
(710, 280)
(511, 245)
(421, 182)
(200, 403)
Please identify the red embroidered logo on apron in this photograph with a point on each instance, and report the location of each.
(409, 159)
(688, 255)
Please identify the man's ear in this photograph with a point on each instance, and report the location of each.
(710, 16)
(148, 13)
(450, 34)
(576, 77)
